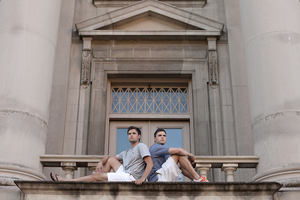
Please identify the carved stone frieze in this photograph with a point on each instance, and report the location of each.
(213, 68)
(85, 67)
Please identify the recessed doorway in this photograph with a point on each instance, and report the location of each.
(178, 134)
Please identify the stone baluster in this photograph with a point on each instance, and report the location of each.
(203, 169)
(229, 169)
(69, 168)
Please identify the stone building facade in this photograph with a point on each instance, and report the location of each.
(224, 73)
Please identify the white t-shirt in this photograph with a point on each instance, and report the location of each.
(133, 161)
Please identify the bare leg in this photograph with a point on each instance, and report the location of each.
(186, 173)
(94, 177)
(111, 163)
(186, 167)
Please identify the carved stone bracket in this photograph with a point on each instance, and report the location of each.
(85, 67)
(213, 62)
(86, 61)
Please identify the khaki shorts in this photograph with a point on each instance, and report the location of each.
(169, 171)
(120, 176)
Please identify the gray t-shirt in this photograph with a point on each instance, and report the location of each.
(133, 161)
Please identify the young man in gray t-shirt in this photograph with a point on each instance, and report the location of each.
(137, 164)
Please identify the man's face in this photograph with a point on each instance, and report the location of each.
(133, 136)
(161, 138)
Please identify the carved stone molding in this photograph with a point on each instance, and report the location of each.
(11, 172)
(213, 68)
(86, 60)
(121, 3)
(85, 67)
(213, 62)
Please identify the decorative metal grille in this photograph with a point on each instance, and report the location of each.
(149, 100)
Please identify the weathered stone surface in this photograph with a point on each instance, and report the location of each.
(109, 190)
(28, 35)
(274, 104)
(10, 193)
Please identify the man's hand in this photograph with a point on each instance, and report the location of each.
(99, 167)
(101, 163)
(139, 182)
(192, 159)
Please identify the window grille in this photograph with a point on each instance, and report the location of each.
(149, 100)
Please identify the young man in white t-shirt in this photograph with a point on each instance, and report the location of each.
(170, 162)
(137, 164)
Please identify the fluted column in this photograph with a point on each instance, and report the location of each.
(28, 35)
(271, 36)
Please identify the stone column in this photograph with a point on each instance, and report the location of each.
(271, 37)
(28, 35)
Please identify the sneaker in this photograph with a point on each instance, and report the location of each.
(201, 179)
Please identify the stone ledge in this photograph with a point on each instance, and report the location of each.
(120, 3)
(239, 190)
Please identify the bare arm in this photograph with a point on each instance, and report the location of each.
(147, 171)
(182, 152)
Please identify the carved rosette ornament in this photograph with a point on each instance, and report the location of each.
(85, 67)
(213, 68)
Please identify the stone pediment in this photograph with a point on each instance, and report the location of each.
(149, 19)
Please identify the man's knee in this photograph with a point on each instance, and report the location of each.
(114, 163)
(111, 159)
(98, 176)
(175, 158)
(183, 159)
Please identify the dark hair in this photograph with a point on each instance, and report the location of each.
(133, 127)
(160, 129)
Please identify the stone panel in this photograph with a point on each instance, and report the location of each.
(96, 136)
(224, 74)
(202, 140)
(218, 148)
(238, 85)
(149, 50)
(242, 121)
(11, 193)
(57, 117)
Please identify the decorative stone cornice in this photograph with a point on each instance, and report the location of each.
(121, 3)
(203, 27)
